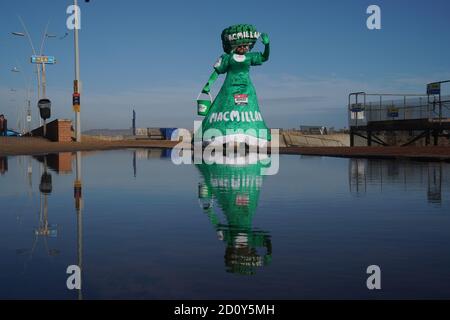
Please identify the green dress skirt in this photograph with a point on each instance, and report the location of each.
(235, 111)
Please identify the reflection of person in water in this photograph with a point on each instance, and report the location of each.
(3, 165)
(236, 190)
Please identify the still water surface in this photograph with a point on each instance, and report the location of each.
(146, 228)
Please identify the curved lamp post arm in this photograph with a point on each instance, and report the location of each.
(43, 38)
(27, 34)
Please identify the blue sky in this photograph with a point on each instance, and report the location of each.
(156, 56)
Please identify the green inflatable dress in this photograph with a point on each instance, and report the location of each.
(235, 111)
(236, 190)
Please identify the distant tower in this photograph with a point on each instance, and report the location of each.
(134, 123)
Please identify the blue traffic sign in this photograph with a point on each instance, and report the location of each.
(43, 59)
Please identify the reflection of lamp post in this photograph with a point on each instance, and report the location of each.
(30, 175)
(134, 163)
(80, 249)
(45, 230)
(45, 188)
(78, 207)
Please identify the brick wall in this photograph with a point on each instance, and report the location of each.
(61, 162)
(57, 131)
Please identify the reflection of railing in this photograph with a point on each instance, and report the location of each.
(367, 175)
(368, 107)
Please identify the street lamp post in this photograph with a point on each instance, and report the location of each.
(41, 77)
(38, 70)
(44, 77)
(77, 73)
(28, 101)
(77, 83)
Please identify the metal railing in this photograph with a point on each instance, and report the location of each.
(369, 107)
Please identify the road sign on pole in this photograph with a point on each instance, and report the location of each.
(43, 59)
(357, 107)
(393, 112)
(434, 88)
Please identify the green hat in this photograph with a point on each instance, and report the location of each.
(239, 34)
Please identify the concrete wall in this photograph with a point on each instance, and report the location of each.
(297, 139)
(108, 138)
(150, 133)
(293, 138)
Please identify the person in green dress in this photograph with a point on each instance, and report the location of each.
(235, 113)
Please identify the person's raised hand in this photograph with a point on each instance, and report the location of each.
(265, 38)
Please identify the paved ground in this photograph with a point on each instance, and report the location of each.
(417, 153)
(24, 146)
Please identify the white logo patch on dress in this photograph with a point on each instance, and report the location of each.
(239, 58)
(241, 99)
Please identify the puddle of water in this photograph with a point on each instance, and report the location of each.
(145, 228)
